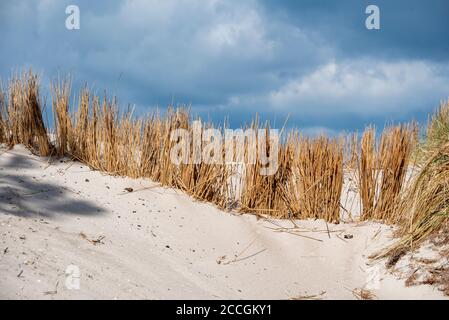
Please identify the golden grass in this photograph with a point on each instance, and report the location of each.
(396, 146)
(424, 209)
(4, 128)
(310, 172)
(24, 114)
(320, 179)
(367, 172)
(265, 194)
(437, 133)
(382, 170)
(60, 91)
(307, 183)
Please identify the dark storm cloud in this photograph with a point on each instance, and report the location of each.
(409, 29)
(314, 60)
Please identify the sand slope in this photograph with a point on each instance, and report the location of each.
(158, 243)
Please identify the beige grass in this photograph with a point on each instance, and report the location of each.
(382, 170)
(307, 184)
(24, 114)
(320, 165)
(424, 209)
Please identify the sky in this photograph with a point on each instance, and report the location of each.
(312, 62)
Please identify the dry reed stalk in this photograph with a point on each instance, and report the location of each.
(129, 140)
(206, 181)
(106, 140)
(151, 146)
(210, 184)
(93, 145)
(437, 133)
(77, 137)
(25, 114)
(382, 171)
(4, 130)
(16, 118)
(424, 209)
(106, 133)
(265, 194)
(363, 294)
(307, 183)
(395, 149)
(367, 173)
(320, 164)
(291, 192)
(60, 91)
(155, 149)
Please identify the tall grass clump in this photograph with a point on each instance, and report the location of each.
(437, 133)
(25, 113)
(396, 145)
(60, 93)
(424, 209)
(167, 173)
(320, 167)
(382, 170)
(291, 190)
(83, 124)
(151, 144)
(367, 172)
(306, 183)
(4, 131)
(201, 179)
(265, 194)
(98, 134)
(208, 181)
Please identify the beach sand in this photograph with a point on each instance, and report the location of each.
(158, 243)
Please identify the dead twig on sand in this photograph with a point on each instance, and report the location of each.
(318, 296)
(52, 292)
(221, 259)
(247, 257)
(363, 294)
(328, 233)
(131, 190)
(94, 241)
(297, 234)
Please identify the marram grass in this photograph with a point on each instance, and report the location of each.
(307, 183)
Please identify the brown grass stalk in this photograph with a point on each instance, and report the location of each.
(307, 184)
(320, 164)
(25, 114)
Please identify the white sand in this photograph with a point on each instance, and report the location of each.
(159, 243)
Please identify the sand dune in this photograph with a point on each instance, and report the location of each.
(158, 243)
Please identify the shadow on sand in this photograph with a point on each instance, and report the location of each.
(25, 196)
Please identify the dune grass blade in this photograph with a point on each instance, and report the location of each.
(424, 209)
(320, 165)
(307, 182)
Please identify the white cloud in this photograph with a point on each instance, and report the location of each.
(242, 31)
(365, 86)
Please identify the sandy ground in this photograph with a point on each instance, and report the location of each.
(157, 243)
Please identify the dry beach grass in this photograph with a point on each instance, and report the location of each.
(307, 184)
